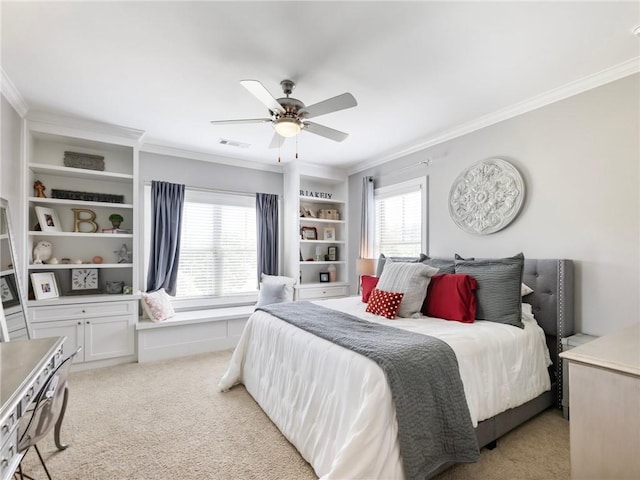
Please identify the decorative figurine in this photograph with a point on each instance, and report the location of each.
(39, 188)
(116, 219)
(124, 254)
(42, 252)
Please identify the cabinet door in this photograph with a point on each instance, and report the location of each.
(72, 329)
(108, 337)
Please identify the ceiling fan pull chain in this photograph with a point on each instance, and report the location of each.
(296, 147)
(279, 145)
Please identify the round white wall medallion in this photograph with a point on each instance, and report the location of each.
(486, 197)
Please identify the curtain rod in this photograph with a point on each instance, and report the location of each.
(425, 162)
(213, 190)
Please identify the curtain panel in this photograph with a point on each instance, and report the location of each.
(167, 202)
(267, 233)
(367, 225)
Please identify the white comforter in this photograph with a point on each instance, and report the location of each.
(335, 405)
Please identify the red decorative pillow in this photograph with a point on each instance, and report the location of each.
(451, 296)
(384, 303)
(368, 284)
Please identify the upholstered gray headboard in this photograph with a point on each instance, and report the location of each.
(552, 304)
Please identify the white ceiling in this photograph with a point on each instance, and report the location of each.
(417, 69)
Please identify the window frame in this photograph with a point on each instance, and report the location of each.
(193, 303)
(400, 188)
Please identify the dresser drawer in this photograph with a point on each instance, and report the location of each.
(82, 310)
(322, 292)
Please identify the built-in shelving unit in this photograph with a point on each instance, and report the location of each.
(316, 231)
(100, 322)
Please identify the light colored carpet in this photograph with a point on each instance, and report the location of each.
(166, 420)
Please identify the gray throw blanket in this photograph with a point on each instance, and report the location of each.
(434, 425)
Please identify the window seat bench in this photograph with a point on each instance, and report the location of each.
(191, 331)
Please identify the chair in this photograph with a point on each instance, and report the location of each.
(46, 411)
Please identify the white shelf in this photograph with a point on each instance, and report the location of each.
(319, 200)
(80, 234)
(321, 284)
(319, 220)
(68, 266)
(61, 201)
(80, 173)
(71, 299)
(323, 262)
(7, 272)
(323, 241)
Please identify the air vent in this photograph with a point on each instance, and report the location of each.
(233, 143)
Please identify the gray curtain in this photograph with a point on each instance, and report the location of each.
(167, 201)
(367, 224)
(267, 233)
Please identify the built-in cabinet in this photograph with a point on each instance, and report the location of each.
(76, 179)
(316, 231)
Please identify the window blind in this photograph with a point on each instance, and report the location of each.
(399, 220)
(218, 245)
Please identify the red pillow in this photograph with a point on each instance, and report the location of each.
(384, 303)
(368, 284)
(451, 296)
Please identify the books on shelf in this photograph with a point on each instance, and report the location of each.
(115, 230)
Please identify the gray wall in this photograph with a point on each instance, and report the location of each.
(580, 161)
(10, 160)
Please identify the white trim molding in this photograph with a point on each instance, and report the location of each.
(12, 94)
(595, 80)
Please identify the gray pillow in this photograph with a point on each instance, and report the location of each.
(382, 260)
(444, 265)
(272, 293)
(499, 282)
(412, 279)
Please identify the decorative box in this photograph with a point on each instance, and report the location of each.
(329, 214)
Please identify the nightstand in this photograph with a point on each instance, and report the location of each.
(567, 344)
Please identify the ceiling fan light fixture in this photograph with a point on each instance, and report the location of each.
(287, 127)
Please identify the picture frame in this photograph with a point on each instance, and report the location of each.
(44, 285)
(309, 233)
(48, 219)
(329, 233)
(8, 291)
(332, 253)
(324, 277)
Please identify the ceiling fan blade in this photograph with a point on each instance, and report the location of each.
(330, 133)
(277, 141)
(235, 122)
(334, 104)
(262, 94)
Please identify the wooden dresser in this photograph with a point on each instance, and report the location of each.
(604, 380)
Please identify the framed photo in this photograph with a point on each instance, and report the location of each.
(333, 254)
(309, 233)
(48, 218)
(8, 291)
(44, 285)
(324, 277)
(329, 233)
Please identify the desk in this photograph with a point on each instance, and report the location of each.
(604, 377)
(24, 368)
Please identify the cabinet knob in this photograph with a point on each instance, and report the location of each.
(84, 311)
(88, 322)
(79, 323)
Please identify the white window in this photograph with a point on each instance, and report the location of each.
(218, 252)
(401, 219)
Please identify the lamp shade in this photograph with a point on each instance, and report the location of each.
(366, 266)
(287, 127)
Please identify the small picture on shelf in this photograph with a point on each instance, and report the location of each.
(329, 233)
(48, 218)
(9, 291)
(332, 253)
(44, 285)
(309, 233)
(324, 277)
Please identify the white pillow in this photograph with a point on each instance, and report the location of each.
(525, 290)
(157, 305)
(288, 283)
(412, 279)
(272, 293)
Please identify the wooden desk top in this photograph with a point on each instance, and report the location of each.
(619, 351)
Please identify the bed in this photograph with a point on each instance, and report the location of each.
(336, 408)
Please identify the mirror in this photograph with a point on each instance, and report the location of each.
(14, 324)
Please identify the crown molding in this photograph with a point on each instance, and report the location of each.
(12, 94)
(173, 151)
(590, 82)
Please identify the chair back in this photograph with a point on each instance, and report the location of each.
(45, 408)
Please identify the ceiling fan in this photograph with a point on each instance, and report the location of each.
(288, 115)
